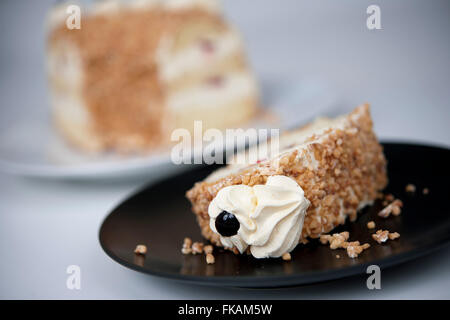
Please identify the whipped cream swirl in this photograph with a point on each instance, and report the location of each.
(270, 216)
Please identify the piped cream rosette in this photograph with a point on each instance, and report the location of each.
(270, 216)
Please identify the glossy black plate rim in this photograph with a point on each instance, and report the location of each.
(285, 280)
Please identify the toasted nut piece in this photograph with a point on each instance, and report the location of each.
(208, 249)
(187, 242)
(394, 235)
(140, 249)
(396, 211)
(346, 244)
(186, 250)
(386, 212)
(381, 236)
(286, 256)
(197, 248)
(210, 259)
(410, 188)
(371, 225)
(338, 239)
(354, 248)
(393, 208)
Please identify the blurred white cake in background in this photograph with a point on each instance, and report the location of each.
(138, 69)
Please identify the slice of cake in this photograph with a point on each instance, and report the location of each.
(138, 69)
(324, 173)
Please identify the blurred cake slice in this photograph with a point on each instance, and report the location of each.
(338, 164)
(138, 69)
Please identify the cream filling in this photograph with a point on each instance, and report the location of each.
(271, 216)
(233, 87)
(64, 65)
(174, 66)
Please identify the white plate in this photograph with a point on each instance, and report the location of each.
(32, 148)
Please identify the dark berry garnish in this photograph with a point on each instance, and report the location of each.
(227, 224)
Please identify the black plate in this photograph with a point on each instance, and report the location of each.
(160, 217)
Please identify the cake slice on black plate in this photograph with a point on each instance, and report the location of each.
(324, 173)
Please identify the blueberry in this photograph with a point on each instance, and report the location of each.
(227, 224)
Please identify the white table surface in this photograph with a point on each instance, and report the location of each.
(403, 70)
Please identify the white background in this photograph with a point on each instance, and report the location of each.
(403, 70)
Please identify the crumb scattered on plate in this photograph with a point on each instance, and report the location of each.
(371, 225)
(197, 248)
(210, 259)
(410, 188)
(355, 248)
(336, 240)
(426, 191)
(186, 246)
(286, 256)
(394, 235)
(339, 240)
(208, 249)
(383, 235)
(393, 208)
(140, 249)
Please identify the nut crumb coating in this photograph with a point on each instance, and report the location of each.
(350, 172)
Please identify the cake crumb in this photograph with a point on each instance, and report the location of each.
(425, 191)
(371, 225)
(140, 249)
(381, 236)
(197, 248)
(339, 240)
(394, 235)
(286, 256)
(354, 248)
(389, 197)
(394, 208)
(210, 259)
(410, 188)
(208, 249)
(336, 240)
(396, 211)
(187, 242)
(186, 249)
